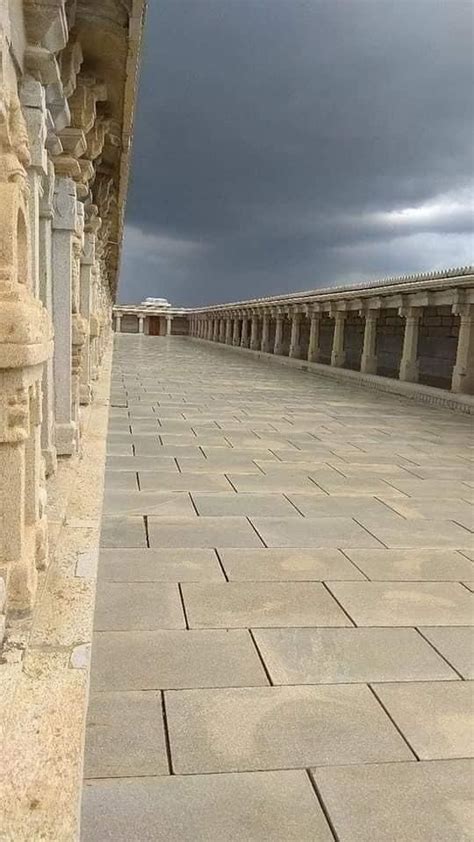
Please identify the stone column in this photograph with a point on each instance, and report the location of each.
(313, 345)
(141, 321)
(87, 279)
(409, 360)
(65, 225)
(254, 340)
(295, 349)
(215, 330)
(228, 331)
(265, 343)
(221, 330)
(244, 337)
(118, 323)
(46, 296)
(368, 361)
(236, 331)
(463, 371)
(169, 320)
(25, 344)
(278, 344)
(337, 355)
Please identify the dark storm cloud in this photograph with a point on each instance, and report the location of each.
(288, 144)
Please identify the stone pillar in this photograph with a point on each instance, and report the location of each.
(221, 330)
(25, 345)
(313, 345)
(463, 371)
(46, 296)
(409, 360)
(265, 343)
(141, 322)
(228, 331)
(295, 349)
(118, 323)
(244, 337)
(169, 320)
(215, 330)
(338, 355)
(236, 331)
(368, 361)
(87, 280)
(65, 225)
(254, 338)
(278, 344)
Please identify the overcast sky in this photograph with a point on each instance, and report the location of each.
(292, 144)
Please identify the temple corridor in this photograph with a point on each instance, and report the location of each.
(281, 637)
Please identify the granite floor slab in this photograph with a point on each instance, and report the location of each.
(279, 727)
(284, 599)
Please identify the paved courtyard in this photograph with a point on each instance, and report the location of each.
(282, 640)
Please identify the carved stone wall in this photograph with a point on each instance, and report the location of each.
(68, 71)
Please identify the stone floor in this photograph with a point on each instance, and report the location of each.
(282, 639)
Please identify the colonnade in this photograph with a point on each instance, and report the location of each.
(440, 307)
(64, 147)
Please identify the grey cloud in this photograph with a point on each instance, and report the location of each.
(274, 139)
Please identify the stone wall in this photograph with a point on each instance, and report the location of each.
(68, 72)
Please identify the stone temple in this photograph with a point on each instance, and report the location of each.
(236, 541)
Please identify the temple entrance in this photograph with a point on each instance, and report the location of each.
(156, 326)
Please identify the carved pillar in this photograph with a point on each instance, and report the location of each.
(141, 320)
(254, 339)
(265, 343)
(25, 344)
(295, 350)
(338, 355)
(278, 343)
(118, 323)
(236, 331)
(368, 361)
(314, 332)
(87, 280)
(215, 330)
(244, 337)
(169, 320)
(65, 225)
(228, 331)
(46, 296)
(409, 360)
(221, 330)
(80, 327)
(463, 372)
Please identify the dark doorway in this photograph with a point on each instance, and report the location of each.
(155, 326)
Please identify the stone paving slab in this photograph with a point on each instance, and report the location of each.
(152, 660)
(251, 806)
(409, 802)
(186, 481)
(248, 505)
(123, 532)
(333, 656)
(137, 605)
(456, 644)
(287, 565)
(412, 565)
(125, 736)
(202, 532)
(157, 503)
(313, 532)
(146, 565)
(435, 717)
(259, 604)
(405, 603)
(279, 727)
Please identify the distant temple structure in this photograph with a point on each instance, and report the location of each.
(154, 317)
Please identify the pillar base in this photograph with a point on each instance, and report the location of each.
(313, 356)
(295, 351)
(338, 360)
(368, 364)
(86, 395)
(50, 460)
(408, 372)
(66, 438)
(462, 381)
